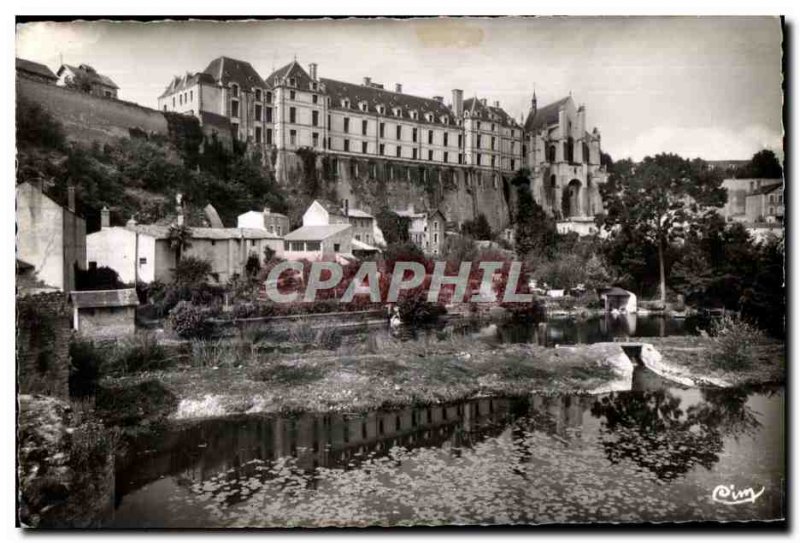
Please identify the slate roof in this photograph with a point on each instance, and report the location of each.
(230, 70)
(316, 233)
(293, 69)
(766, 189)
(478, 110)
(35, 68)
(374, 97)
(545, 116)
(186, 81)
(91, 74)
(104, 298)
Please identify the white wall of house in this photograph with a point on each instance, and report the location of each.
(116, 247)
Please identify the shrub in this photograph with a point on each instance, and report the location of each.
(732, 343)
(145, 401)
(526, 312)
(414, 308)
(85, 361)
(143, 353)
(192, 271)
(191, 321)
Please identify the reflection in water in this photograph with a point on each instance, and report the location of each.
(653, 454)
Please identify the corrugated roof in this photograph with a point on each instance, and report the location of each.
(545, 116)
(316, 233)
(226, 70)
(35, 68)
(91, 74)
(374, 97)
(104, 298)
(162, 232)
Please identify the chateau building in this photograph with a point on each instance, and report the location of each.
(475, 145)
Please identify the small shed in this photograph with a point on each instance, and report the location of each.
(619, 299)
(104, 313)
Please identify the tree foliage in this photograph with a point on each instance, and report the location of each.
(657, 199)
(763, 164)
(478, 229)
(535, 231)
(393, 226)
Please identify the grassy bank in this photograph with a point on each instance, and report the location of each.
(231, 377)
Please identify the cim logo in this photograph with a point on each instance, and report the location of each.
(728, 495)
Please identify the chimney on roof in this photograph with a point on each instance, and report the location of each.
(71, 198)
(483, 101)
(439, 99)
(266, 211)
(312, 71)
(131, 222)
(367, 81)
(497, 103)
(458, 102)
(398, 87)
(105, 217)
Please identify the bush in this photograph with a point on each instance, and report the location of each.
(85, 368)
(191, 321)
(733, 340)
(192, 271)
(143, 353)
(414, 308)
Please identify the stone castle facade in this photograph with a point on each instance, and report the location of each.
(476, 144)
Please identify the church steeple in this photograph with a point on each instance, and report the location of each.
(533, 101)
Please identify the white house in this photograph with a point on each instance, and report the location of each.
(319, 242)
(141, 252)
(51, 239)
(363, 232)
(426, 230)
(274, 223)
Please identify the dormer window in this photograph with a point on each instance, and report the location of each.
(414, 114)
(293, 82)
(381, 110)
(235, 90)
(396, 111)
(445, 120)
(429, 117)
(313, 85)
(345, 103)
(362, 106)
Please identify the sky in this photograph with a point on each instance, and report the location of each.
(706, 87)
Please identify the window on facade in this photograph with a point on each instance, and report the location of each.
(292, 115)
(364, 127)
(382, 148)
(314, 98)
(445, 158)
(258, 134)
(353, 168)
(291, 95)
(414, 153)
(461, 140)
(430, 154)
(346, 124)
(414, 135)
(235, 130)
(444, 141)
(235, 90)
(268, 114)
(478, 125)
(513, 164)
(430, 136)
(493, 144)
(315, 139)
(478, 160)
(364, 147)
(336, 247)
(258, 95)
(313, 246)
(314, 118)
(460, 158)
(269, 136)
(234, 108)
(269, 97)
(346, 145)
(399, 131)
(551, 153)
(399, 151)
(180, 99)
(293, 82)
(569, 150)
(293, 137)
(493, 157)
(173, 101)
(258, 112)
(381, 127)
(142, 261)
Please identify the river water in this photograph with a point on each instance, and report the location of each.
(656, 453)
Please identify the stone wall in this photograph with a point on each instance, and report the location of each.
(462, 193)
(88, 118)
(107, 322)
(43, 334)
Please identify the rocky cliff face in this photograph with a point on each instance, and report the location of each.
(370, 184)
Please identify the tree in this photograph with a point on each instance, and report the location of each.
(80, 80)
(763, 164)
(178, 238)
(192, 272)
(393, 226)
(479, 228)
(658, 198)
(535, 231)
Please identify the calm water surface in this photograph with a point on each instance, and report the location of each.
(653, 454)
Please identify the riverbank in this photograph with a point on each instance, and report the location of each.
(227, 378)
